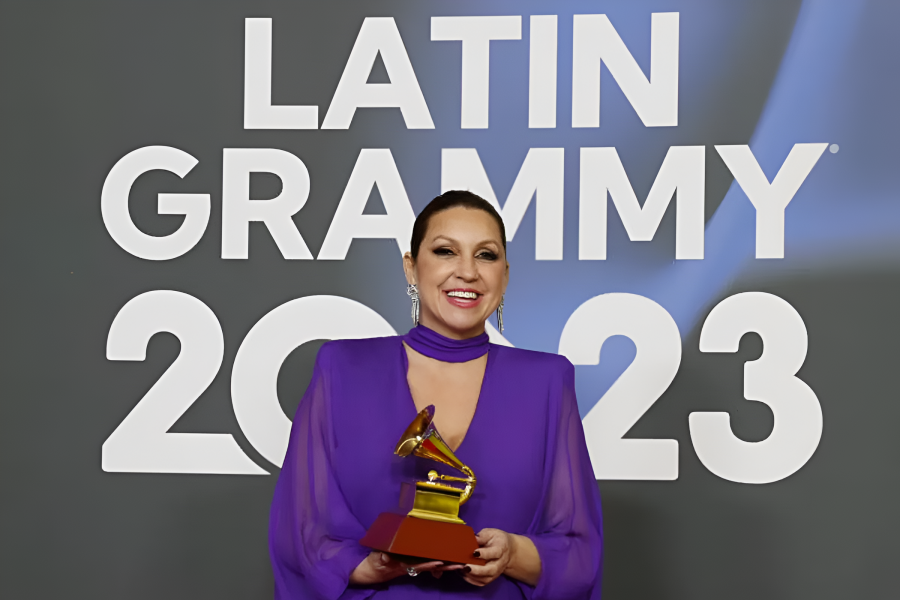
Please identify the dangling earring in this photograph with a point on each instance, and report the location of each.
(500, 315)
(413, 292)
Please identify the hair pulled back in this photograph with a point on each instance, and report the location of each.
(446, 201)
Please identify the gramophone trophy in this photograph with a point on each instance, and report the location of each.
(431, 528)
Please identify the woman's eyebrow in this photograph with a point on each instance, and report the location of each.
(444, 238)
(484, 242)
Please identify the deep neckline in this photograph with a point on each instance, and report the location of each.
(404, 370)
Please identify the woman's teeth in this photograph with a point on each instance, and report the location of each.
(466, 295)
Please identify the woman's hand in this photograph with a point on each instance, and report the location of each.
(379, 567)
(506, 554)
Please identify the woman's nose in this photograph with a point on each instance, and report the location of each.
(467, 269)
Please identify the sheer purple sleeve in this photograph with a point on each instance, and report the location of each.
(312, 533)
(568, 533)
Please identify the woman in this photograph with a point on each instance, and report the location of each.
(509, 414)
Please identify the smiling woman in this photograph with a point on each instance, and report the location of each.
(510, 414)
(457, 264)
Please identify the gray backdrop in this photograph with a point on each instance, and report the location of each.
(84, 83)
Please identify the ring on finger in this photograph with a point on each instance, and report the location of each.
(411, 571)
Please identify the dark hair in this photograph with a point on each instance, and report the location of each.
(446, 201)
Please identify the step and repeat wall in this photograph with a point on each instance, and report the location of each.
(702, 215)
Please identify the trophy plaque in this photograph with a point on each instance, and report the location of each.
(428, 526)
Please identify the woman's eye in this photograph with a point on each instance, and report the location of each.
(443, 251)
(487, 255)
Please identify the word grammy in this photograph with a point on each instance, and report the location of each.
(540, 179)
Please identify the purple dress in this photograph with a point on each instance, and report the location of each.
(525, 444)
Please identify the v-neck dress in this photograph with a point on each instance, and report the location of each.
(525, 445)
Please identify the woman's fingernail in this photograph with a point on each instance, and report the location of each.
(466, 569)
(476, 554)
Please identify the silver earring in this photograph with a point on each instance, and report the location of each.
(413, 292)
(500, 315)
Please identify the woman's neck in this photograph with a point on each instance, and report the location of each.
(434, 345)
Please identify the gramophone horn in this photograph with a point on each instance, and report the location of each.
(422, 439)
(416, 432)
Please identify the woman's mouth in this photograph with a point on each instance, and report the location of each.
(463, 298)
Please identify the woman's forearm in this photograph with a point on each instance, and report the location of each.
(524, 560)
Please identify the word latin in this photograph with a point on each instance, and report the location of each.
(595, 42)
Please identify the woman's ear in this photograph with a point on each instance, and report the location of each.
(409, 268)
(505, 281)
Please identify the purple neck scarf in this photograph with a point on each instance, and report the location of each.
(434, 345)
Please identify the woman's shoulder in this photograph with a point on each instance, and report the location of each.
(534, 381)
(533, 360)
(357, 351)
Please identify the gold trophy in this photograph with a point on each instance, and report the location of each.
(431, 528)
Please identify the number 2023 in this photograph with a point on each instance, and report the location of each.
(141, 443)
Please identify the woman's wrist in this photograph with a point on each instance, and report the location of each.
(524, 560)
(514, 543)
(364, 573)
(359, 576)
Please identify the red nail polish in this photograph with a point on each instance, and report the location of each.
(466, 569)
(476, 554)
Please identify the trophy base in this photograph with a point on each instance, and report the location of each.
(422, 539)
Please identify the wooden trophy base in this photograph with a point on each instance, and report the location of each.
(422, 539)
